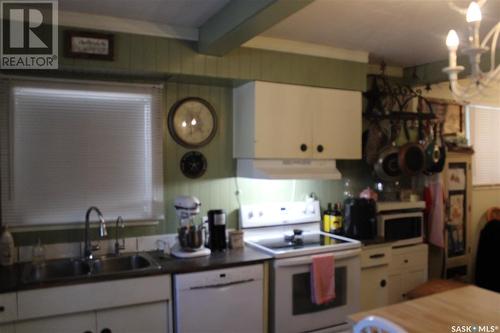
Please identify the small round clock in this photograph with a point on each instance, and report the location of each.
(193, 164)
(192, 122)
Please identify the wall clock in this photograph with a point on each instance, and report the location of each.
(192, 122)
(193, 164)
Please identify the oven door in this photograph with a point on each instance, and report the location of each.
(402, 228)
(292, 305)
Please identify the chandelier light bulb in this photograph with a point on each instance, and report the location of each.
(473, 13)
(452, 40)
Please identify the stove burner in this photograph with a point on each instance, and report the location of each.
(296, 239)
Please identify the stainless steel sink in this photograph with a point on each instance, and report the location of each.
(122, 263)
(68, 269)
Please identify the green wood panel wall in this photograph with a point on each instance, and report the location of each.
(155, 57)
(138, 54)
(217, 188)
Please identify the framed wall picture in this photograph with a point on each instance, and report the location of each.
(89, 45)
(451, 114)
(454, 119)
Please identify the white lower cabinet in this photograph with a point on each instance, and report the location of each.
(140, 305)
(374, 276)
(147, 318)
(7, 328)
(374, 290)
(75, 323)
(407, 270)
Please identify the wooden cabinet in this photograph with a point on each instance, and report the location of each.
(374, 276)
(407, 270)
(121, 306)
(282, 121)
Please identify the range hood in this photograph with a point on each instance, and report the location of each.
(287, 169)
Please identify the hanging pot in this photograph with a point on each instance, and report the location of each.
(374, 140)
(387, 166)
(411, 157)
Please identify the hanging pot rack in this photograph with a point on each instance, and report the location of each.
(392, 101)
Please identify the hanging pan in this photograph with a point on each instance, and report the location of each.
(439, 165)
(411, 156)
(387, 165)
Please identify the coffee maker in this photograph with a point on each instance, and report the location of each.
(217, 229)
(360, 218)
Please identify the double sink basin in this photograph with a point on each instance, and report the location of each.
(76, 268)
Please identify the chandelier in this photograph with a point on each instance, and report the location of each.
(479, 80)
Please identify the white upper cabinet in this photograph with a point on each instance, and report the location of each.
(280, 121)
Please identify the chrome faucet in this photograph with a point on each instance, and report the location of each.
(119, 224)
(87, 252)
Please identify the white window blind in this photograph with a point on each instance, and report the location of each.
(484, 135)
(70, 146)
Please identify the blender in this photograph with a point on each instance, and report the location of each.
(190, 236)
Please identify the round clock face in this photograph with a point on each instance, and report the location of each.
(193, 164)
(192, 122)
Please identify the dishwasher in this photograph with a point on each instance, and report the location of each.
(223, 300)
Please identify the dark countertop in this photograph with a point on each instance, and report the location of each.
(375, 241)
(11, 277)
(228, 258)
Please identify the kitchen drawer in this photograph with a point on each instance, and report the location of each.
(408, 257)
(375, 256)
(8, 307)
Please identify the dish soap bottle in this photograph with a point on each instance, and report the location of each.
(6, 247)
(336, 220)
(327, 218)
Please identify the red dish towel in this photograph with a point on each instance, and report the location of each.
(322, 278)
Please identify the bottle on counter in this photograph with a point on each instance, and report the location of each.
(336, 220)
(327, 214)
(6, 247)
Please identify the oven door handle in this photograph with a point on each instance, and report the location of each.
(308, 259)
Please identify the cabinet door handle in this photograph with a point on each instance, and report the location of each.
(2, 308)
(378, 255)
(320, 148)
(106, 330)
(303, 147)
(406, 261)
(383, 283)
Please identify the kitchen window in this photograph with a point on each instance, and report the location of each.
(66, 146)
(484, 135)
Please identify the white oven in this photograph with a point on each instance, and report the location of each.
(291, 305)
(401, 223)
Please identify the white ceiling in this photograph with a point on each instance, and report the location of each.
(402, 32)
(182, 13)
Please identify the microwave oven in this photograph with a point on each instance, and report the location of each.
(401, 223)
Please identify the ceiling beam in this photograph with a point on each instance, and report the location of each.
(241, 20)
